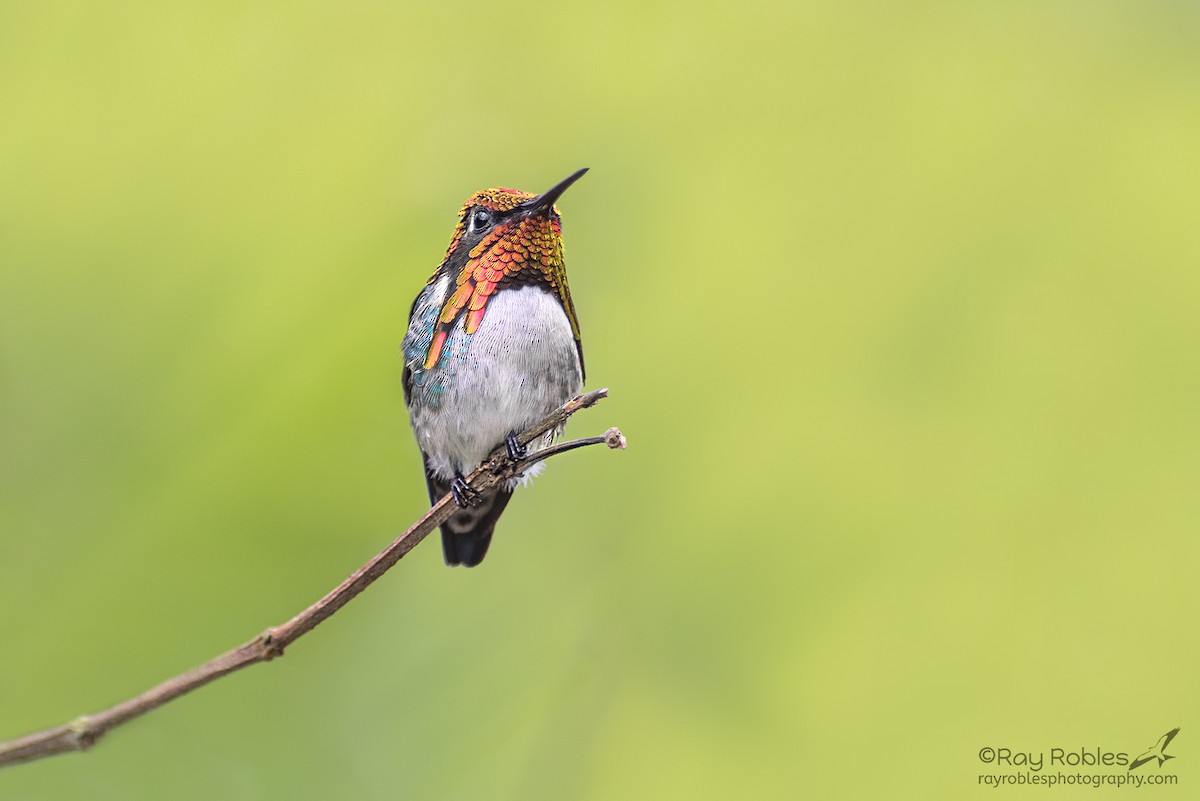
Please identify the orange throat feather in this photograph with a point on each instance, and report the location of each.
(517, 252)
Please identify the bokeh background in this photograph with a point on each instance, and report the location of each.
(897, 304)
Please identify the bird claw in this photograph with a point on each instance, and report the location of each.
(513, 447)
(464, 494)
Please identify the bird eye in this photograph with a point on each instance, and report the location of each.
(480, 218)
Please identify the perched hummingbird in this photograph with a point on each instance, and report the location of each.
(492, 347)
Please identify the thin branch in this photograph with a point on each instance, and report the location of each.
(83, 732)
(613, 438)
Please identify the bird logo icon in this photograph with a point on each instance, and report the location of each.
(1157, 751)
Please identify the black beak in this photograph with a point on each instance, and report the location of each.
(543, 203)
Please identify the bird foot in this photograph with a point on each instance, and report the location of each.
(513, 447)
(464, 494)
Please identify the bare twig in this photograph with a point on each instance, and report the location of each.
(84, 731)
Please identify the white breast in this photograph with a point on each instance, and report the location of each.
(520, 365)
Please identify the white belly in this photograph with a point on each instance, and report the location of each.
(516, 368)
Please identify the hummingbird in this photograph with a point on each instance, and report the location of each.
(492, 347)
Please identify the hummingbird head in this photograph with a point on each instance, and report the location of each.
(504, 238)
(526, 227)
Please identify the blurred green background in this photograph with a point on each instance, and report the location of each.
(897, 303)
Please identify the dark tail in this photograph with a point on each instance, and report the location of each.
(468, 532)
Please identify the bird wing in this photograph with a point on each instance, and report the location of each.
(1166, 739)
(1141, 760)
